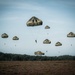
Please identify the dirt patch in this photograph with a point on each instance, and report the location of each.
(37, 67)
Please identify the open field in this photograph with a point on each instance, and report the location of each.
(37, 67)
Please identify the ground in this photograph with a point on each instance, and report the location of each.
(37, 67)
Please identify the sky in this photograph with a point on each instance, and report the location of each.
(58, 14)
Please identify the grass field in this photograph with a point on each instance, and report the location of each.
(37, 67)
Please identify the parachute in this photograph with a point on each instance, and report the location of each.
(47, 27)
(34, 21)
(71, 34)
(46, 41)
(58, 44)
(4, 35)
(15, 38)
(39, 53)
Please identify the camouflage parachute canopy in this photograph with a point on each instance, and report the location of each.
(71, 34)
(58, 44)
(38, 53)
(15, 38)
(4, 35)
(34, 21)
(47, 27)
(46, 41)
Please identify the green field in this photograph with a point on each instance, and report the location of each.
(37, 67)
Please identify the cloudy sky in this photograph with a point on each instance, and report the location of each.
(58, 14)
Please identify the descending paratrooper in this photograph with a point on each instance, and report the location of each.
(36, 41)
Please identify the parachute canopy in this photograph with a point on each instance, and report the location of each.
(46, 41)
(58, 44)
(15, 38)
(47, 27)
(38, 53)
(71, 34)
(4, 35)
(34, 21)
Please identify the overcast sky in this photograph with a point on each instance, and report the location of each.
(58, 14)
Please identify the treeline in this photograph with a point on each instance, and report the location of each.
(19, 57)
